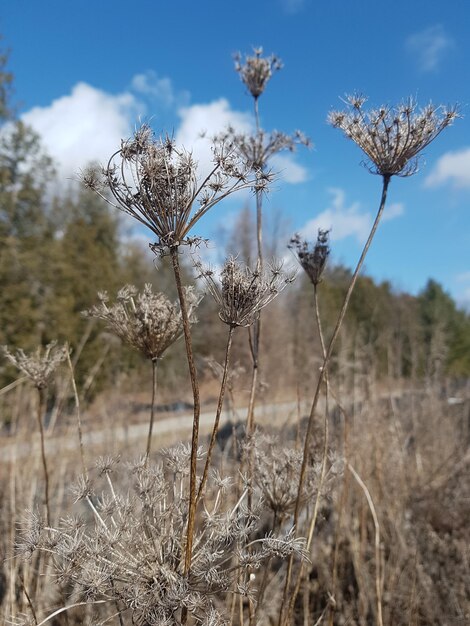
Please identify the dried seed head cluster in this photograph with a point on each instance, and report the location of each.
(392, 137)
(158, 184)
(256, 71)
(243, 291)
(130, 546)
(261, 146)
(313, 261)
(40, 365)
(276, 469)
(147, 321)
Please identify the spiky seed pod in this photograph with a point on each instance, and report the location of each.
(392, 136)
(243, 291)
(256, 71)
(147, 321)
(313, 261)
(40, 365)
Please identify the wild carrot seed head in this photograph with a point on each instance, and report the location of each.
(392, 136)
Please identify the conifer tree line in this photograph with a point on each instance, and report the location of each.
(56, 253)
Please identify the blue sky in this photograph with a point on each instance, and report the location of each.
(86, 72)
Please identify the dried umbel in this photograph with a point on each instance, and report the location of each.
(261, 146)
(158, 184)
(392, 137)
(130, 548)
(276, 468)
(313, 261)
(40, 365)
(256, 71)
(147, 321)
(243, 291)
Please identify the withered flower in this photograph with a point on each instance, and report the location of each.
(158, 184)
(40, 365)
(243, 291)
(392, 136)
(147, 321)
(313, 261)
(257, 70)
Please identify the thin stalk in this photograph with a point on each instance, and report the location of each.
(378, 574)
(324, 457)
(77, 407)
(197, 412)
(255, 342)
(40, 414)
(321, 378)
(152, 408)
(220, 404)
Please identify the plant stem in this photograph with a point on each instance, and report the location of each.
(152, 408)
(321, 377)
(40, 414)
(77, 407)
(220, 403)
(197, 412)
(324, 457)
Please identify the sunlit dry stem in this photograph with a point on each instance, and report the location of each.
(386, 180)
(316, 507)
(220, 404)
(197, 410)
(152, 407)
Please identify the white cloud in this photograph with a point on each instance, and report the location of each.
(200, 122)
(214, 117)
(452, 167)
(289, 171)
(159, 89)
(429, 46)
(393, 210)
(88, 125)
(84, 126)
(346, 221)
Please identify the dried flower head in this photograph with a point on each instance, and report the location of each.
(158, 184)
(392, 137)
(130, 547)
(243, 291)
(313, 261)
(147, 321)
(40, 365)
(258, 148)
(257, 70)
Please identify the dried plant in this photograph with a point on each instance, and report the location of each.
(392, 136)
(146, 321)
(39, 368)
(40, 365)
(157, 183)
(130, 547)
(260, 147)
(312, 261)
(244, 291)
(257, 70)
